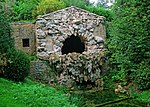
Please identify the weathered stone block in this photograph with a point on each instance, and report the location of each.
(24, 35)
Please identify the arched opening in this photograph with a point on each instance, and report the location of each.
(73, 44)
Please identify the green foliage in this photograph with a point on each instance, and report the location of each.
(32, 57)
(101, 11)
(128, 44)
(23, 9)
(142, 76)
(6, 6)
(144, 96)
(77, 3)
(30, 94)
(18, 65)
(47, 6)
(74, 98)
(6, 40)
(16, 10)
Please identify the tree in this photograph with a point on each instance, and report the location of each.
(6, 7)
(23, 9)
(77, 3)
(108, 14)
(14, 64)
(129, 42)
(47, 6)
(6, 39)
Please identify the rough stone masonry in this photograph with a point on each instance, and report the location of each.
(53, 32)
(54, 28)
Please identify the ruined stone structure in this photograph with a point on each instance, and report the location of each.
(24, 35)
(69, 30)
(72, 40)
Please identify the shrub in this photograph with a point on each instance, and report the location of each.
(101, 11)
(47, 6)
(77, 3)
(7, 7)
(128, 44)
(6, 39)
(142, 77)
(18, 65)
(23, 9)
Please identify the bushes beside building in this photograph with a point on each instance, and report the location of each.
(18, 65)
(15, 64)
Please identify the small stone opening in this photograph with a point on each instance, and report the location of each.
(25, 42)
(73, 44)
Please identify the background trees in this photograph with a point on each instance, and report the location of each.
(6, 40)
(129, 42)
(77, 3)
(47, 6)
(23, 9)
(14, 63)
(108, 14)
(17, 10)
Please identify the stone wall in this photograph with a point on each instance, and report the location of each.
(53, 29)
(24, 32)
(41, 71)
(82, 69)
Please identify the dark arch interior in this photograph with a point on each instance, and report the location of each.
(73, 44)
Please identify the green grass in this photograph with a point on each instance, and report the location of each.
(30, 94)
(144, 96)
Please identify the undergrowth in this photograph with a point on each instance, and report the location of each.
(30, 94)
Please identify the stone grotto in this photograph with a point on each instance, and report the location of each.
(73, 40)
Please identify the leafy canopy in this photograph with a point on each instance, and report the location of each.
(47, 6)
(6, 40)
(101, 11)
(128, 44)
(77, 3)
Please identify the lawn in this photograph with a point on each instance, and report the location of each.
(31, 94)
